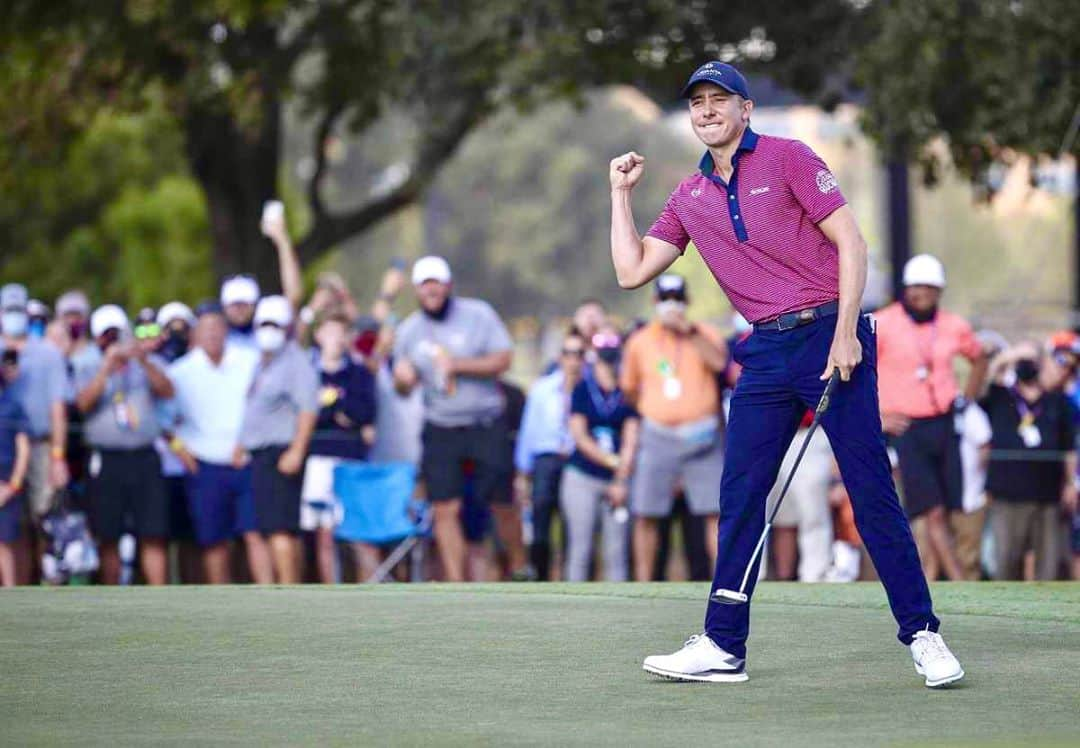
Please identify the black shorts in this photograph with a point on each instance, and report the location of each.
(180, 523)
(931, 473)
(276, 496)
(127, 493)
(487, 446)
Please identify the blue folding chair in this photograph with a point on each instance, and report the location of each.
(378, 508)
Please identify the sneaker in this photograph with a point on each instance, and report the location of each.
(699, 660)
(934, 660)
(524, 574)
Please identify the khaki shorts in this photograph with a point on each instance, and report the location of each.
(40, 494)
(668, 458)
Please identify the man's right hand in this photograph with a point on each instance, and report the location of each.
(240, 457)
(894, 423)
(191, 465)
(626, 171)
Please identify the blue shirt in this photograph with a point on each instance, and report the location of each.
(209, 400)
(42, 381)
(545, 425)
(13, 421)
(349, 391)
(605, 414)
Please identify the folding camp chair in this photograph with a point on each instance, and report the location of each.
(378, 508)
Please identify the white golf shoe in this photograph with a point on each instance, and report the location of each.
(934, 660)
(699, 660)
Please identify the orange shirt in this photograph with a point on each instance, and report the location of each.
(915, 362)
(667, 378)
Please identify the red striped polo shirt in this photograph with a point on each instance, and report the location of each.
(758, 234)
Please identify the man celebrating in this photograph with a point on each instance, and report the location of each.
(768, 218)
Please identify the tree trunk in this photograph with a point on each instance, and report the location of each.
(238, 171)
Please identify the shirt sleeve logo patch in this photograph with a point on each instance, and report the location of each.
(826, 182)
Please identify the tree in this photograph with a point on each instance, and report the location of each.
(225, 70)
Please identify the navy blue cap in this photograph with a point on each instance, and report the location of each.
(723, 75)
(209, 306)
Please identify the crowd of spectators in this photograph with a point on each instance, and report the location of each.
(201, 443)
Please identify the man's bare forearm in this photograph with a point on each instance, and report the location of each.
(491, 365)
(627, 250)
(853, 261)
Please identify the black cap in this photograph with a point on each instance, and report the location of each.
(671, 286)
(209, 306)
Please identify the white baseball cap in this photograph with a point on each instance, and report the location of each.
(175, 310)
(276, 309)
(433, 268)
(924, 270)
(108, 317)
(240, 289)
(72, 302)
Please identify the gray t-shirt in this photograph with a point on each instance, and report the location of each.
(470, 329)
(283, 388)
(124, 417)
(42, 381)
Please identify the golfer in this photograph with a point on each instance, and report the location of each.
(768, 218)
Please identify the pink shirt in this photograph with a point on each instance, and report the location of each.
(915, 361)
(758, 234)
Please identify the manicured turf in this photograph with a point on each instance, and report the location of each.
(537, 664)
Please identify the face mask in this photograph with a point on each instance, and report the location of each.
(77, 329)
(14, 323)
(664, 308)
(269, 339)
(175, 346)
(1027, 370)
(918, 316)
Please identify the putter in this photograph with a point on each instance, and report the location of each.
(738, 597)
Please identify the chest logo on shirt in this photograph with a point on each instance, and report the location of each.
(696, 192)
(759, 190)
(826, 182)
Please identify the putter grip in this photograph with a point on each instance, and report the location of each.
(823, 403)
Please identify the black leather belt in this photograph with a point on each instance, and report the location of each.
(791, 320)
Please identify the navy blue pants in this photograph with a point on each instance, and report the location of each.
(780, 380)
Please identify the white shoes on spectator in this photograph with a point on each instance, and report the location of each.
(699, 660)
(934, 660)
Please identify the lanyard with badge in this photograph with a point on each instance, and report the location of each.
(926, 363)
(1027, 429)
(669, 372)
(605, 406)
(126, 415)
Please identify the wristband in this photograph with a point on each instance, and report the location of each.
(57, 453)
(176, 444)
(14, 486)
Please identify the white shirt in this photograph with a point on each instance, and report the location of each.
(210, 400)
(977, 433)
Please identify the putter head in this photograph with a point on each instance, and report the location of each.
(729, 597)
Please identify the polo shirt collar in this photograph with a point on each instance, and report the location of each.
(748, 142)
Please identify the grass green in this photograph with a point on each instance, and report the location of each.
(540, 664)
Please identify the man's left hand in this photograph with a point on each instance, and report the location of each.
(290, 462)
(845, 355)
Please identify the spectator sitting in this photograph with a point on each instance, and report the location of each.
(457, 348)
(669, 374)
(604, 427)
(344, 430)
(279, 419)
(544, 443)
(1027, 496)
(212, 381)
(40, 388)
(118, 384)
(14, 461)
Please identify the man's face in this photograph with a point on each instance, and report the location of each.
(718, 116)
(432, 295)
(333, 338)
(588, 318)
(240, 314)
(210, 333)
(922, 298)
(572, 356)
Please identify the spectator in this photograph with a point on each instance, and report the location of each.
(803, 527)
(967, 524)
(212, 381)
(239, 295)
(1029, 494)
(457, 348)
(279, 419)
(604, 427)
(589, 317)
(14, 461)
(847, 548)
(917, 342)
(670, 375)
(40, 389)
(73, 311)
(344, 431)
(118, 384)
(39, 315)
(544, 443)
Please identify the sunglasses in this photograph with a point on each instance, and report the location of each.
(606, 340)
(575, 352)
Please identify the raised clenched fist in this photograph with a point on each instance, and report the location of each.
(626, 170)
